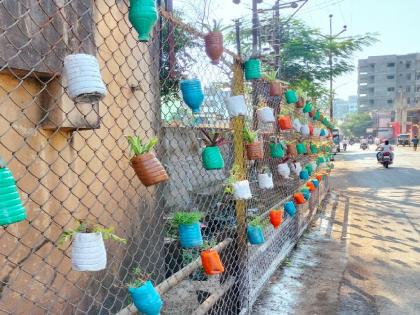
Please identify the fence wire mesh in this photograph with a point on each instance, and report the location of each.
(71, 161)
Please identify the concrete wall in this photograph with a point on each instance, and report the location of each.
(64, 174)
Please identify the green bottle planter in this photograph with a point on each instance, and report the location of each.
(309, 168)
(212, 158)
(317, 116)
(252, 69)
(300, 148)
(320, 160)
(325, 122)
(291, 96)
(143, 16)
(314, 149)
(276, 150)
(11, 208)
(307, 108)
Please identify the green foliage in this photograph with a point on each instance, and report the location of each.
(208, 245)
(139, 278)
(250, 136)
(356, 124)
(270, 75)
(87, 227)
(138, 148)
(217, 26)
(257, 222)
(186, 217)
(212, 139)
(233, 178)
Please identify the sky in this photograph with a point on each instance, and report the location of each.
(395, 21)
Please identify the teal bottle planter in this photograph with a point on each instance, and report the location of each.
(309, 168)
(252, 68)
(300, 148)
(314, 149)
(192, 93)
(290, 208)
(255, 235)
(190, 235)
(212, 158)
(276, 150)
(143, 16)
(11, 208)
(306, 193)
(291, 96)
(316, 183)
(146, 299)
(317, 116)
(320, 160)
(304, 174)
(325, 122)
(322, 133)
(307, 108)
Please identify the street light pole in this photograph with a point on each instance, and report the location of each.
(330, 38)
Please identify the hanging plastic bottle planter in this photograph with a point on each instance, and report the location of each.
(306, 193)
(212, 264)
(188, 228)
(291, 96)
(255, 235)
(300, 148)
(317, 132)
(236, 106)
(283, 170)
(309, 168)
(307, 108)
(241, 190)
(266, 115)
(11, 208)
(315, 182)
(299, 198)
(284, 122)
(146, 299)
(276, 150)
(310, 186)
(297, 124)
(214, 44)
(314, 148)
(317, 116)
(83, 76)
(192, 94)
(252, 69)
(304, 130)
(300, 103)
(265, 181)
(304, 174)
(211, 156)
(290, 207)
(276, 217)
(291, 150)
(296, 168)
(143, 16)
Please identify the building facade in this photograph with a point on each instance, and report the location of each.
(344, 107)
(384, 82)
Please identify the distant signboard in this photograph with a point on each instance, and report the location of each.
(385, 133)
(369, 130)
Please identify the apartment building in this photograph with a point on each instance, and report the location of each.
(385, 80)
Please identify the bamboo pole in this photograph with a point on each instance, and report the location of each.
(177, 277)
(212, 299)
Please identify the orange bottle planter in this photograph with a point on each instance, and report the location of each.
(299, 198)
(212, 264)
(319, 177)
(284, 122)
(276, 217)
(311, 186)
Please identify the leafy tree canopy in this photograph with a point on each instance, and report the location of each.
(356, 124)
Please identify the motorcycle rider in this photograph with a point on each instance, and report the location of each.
(362, 142)
(386, 147)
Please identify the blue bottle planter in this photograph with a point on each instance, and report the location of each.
(322, 133)
(190, 235)
(146, 299)
(290, 208)
(304, 174)
(316, 183)
(306, 193)
(255, 235)
(192, 94)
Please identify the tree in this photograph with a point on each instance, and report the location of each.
(356, 124)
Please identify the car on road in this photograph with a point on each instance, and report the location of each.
(404, 139)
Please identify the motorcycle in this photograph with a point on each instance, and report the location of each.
(364, 146)
(385, 159)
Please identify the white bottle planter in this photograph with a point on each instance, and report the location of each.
(88, 252)
(266, 115)
(283, 170)
(296, 168)
(84, 81)
(317, 132)
(236, 105)
(265, 181)
(304, 130)
(297, 125)
(241, 190)
(314, 165)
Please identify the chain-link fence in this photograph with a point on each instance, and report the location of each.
(71, 161)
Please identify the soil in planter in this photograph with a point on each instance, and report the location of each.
(149, 169)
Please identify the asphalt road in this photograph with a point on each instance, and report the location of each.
(362, 255)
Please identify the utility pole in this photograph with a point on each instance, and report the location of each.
(277, 38)
(255, 25)
(330, 39)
